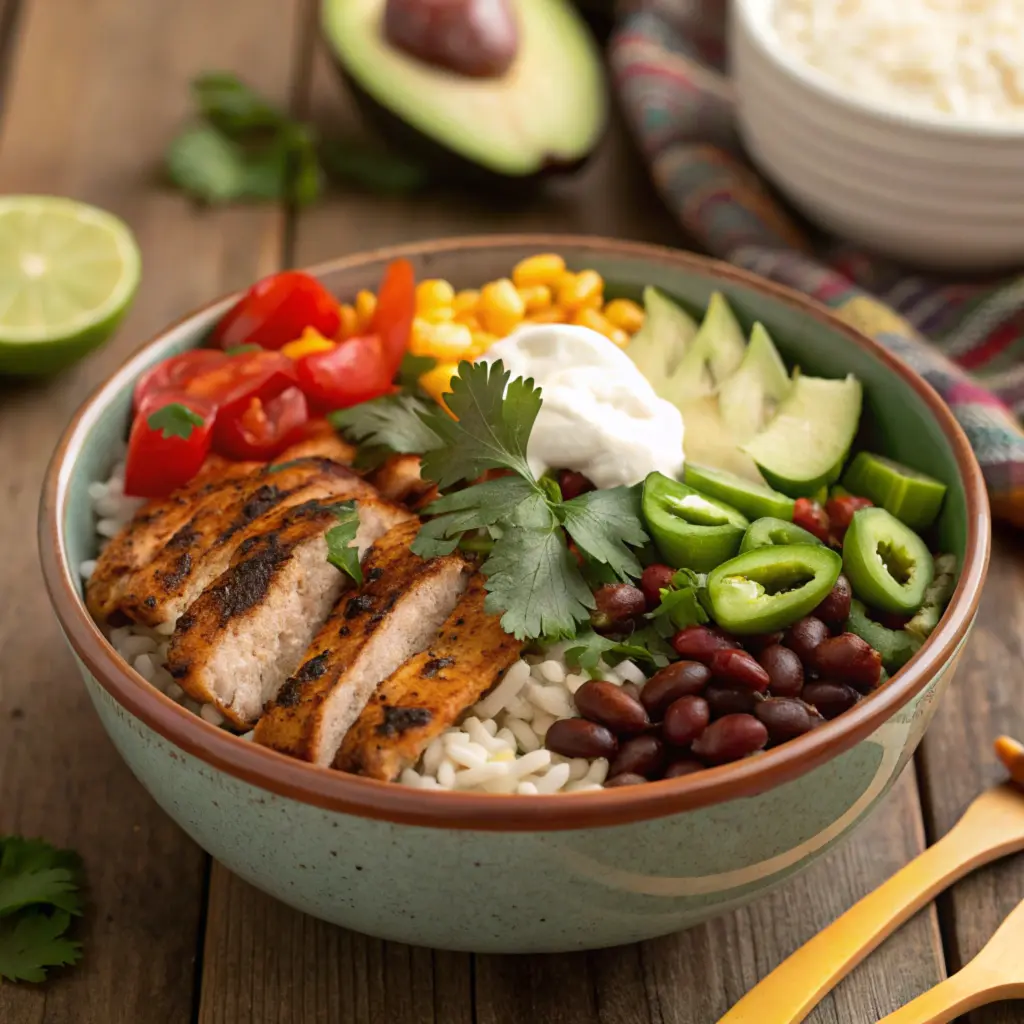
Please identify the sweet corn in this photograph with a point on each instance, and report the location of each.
(551, 315)
(597, 321)
(445, 342)
(501, 307)
(310, 341)
(470, 319)
(349, 322)
(626, 314)
(482, 341)
(366, 306)
(433, 293)
(544, 268)
(437, 382)
(438, 314)
(466, 300)
(583, 289)
(535, 297)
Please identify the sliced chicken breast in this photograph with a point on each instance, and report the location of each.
(158, 521)
(399, 479)
(393, 616)
(201, 550)
(247, 632)
(418, 701)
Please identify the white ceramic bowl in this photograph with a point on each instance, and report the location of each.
(933, 191)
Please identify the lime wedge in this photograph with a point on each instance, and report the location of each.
(68, 273)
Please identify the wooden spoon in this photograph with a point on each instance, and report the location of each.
(996, 973)
(992, 827)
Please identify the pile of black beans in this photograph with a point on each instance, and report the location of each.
(726, 699)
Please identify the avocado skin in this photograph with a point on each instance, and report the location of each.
(447, 165)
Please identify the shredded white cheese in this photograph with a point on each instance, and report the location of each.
(963, 58)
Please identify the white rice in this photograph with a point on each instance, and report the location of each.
(497, 747)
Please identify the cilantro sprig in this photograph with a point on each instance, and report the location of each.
(39, 895)
(175, 420)
(340, 550)
(534, 581)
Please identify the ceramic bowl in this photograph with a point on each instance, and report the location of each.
(516, 873)
(933, 191)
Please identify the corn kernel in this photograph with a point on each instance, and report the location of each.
(366, 306)
(438, 314)
(445, 342)
(470, 319)
(433, 293)
(545, 268)
(535, 297)
(465, 301)
(581, 290)
(311, 341)
(437, 382)
(349, 322)
(625, 314)
(482, 341)
(551, 315)
(597, 321)
(501, 307)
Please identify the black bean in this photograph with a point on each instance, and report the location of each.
(606, 704)
(576, 737)
(731, 738)
(685, 720)
(831, 699)
(680, 679)
(641, 755)
(787, 718)
(804, 636)
(785, 671)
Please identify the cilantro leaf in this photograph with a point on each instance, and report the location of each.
(207, 165)
(591, 648)
(352, 162)
(340, 552)
(32, 942)
(532, 578)
(400, 423)
(32, 871)
(490, 429)
(602, 523)
(681, 608)
(175, 420)
(230, 105)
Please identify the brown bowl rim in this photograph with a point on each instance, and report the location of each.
(349, 794)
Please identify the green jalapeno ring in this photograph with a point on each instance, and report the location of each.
(896, 646)
(889, 566)
(769, 588)
(768, 531)
(691, 530)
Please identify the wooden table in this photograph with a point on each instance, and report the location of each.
(91, 92)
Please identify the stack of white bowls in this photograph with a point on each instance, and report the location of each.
(930, 190)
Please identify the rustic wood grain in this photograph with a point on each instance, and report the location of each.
(957, 760)
(94, 94)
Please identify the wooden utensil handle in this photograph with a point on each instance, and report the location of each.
(792, 990)
(951, 998)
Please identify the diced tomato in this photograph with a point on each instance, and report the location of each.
(240, 376)
(812, 517)
(277, 310)
(356, 371)
(396, 307)
(261, 427)
(157, 464)
(840, 511)
(174, 373)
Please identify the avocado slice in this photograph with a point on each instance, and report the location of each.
(805, 445)
(546, 113)
(659, 346)
(708, 442)
(748, 399)
(714, 356)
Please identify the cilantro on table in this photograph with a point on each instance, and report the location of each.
(534, 580)
(175, 420)
(243, 148)
(39, 895)
(339, 539)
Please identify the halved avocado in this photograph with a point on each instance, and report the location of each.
(546, 113)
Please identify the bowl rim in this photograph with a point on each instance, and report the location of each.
(960, 129)
(339, 792)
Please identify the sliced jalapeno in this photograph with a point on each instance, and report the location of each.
(889, 566)
(769, 588)
(765, 532)
(896, 646)
(691, 530)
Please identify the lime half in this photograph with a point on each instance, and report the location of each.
(68, 273)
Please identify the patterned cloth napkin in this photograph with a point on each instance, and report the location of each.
(667, 58)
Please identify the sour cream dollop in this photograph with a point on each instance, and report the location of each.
(600, 416)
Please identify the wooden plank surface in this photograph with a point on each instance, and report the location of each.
(957, 760)
(95, 92)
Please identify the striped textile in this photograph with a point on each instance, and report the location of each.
(966, 340)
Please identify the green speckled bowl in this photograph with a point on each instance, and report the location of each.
(529, 874)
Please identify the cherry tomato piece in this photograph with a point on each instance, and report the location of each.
(174, 373)
(396, 307)
(160, 461)
(840, 511)
(277, 310)
(242, 376)
(354, 372)
(260, 428)
(809, 515)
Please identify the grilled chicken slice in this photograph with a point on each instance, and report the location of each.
(394, 615)
(158, 521)
(398, 479)
(200, 551)
(418, 701)
(242, 638)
